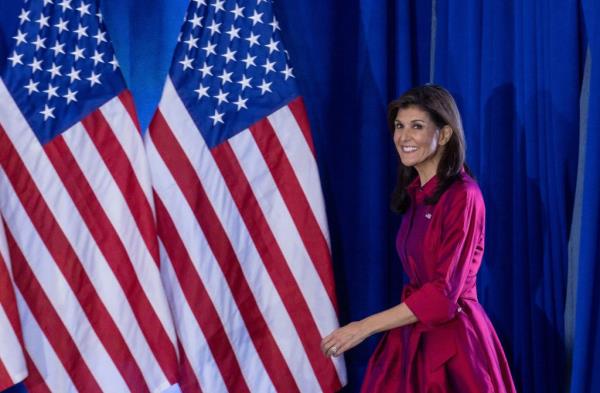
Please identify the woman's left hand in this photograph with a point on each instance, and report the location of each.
(344, 338)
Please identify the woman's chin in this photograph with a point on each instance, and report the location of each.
(407, 162)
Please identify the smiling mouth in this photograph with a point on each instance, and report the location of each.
(408, 149)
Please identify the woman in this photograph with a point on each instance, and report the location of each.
(438, 338)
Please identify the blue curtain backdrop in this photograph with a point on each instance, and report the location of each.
(518, 72)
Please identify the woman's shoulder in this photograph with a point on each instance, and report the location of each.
(465, 187)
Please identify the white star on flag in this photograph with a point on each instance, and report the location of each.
(54, 70)
(78, 53)
(74, 74)
(253, 39)
(229, 55)
(241, 103)
(217, 117)
(20, 38)
(15, 58)
(47, 112)
(81, 31)
(196, 21)
(94, 79)
(237, 11)
(245, 82)
(51, 91)
(61, 25)
(288, 72)
(202, 91)
(36, 65)
(32, 86)
(187, 62)
(256, 18)
(70, 96)
(222, 97)
(210, 49)
(97, 57)
(265, 87)
(249, 60)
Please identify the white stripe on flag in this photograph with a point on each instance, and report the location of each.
(302, 160)
(130, 139)
(189, 332)
(41, 352)
(10, 350)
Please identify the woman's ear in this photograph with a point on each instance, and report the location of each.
(445, 134)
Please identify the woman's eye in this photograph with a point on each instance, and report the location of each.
(398, 126)
(417, 126)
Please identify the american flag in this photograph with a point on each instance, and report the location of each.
(244, 240)
(77, 206)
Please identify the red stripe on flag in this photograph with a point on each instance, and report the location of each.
(5, 378)
(188, 381)
(299, 111)
(69, 264)
(7, 298)
(47, 318)
(189, 184)
(34, 382)
(118, 164)
(276, 265)
(199, 302)
(116, 256)
(296, 202)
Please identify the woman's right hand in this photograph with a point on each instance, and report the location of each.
(344, 338)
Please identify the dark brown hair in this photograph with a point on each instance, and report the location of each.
(439, 104)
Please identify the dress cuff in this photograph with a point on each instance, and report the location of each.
(431, 306)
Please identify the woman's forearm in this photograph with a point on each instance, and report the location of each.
(391, 318)
(354, 333)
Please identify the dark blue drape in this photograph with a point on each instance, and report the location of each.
(516, 69)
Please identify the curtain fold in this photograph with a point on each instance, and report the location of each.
(585, 341)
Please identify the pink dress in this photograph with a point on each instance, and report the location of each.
(453, 347)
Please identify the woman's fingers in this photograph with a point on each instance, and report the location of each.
(341, 340)
(328, 345)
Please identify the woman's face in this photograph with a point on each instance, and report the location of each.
(417, 140)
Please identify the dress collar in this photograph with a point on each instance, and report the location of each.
(418, 192)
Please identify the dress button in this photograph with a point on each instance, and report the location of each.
(459, 309)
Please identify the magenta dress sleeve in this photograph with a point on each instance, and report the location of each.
(461, 234)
